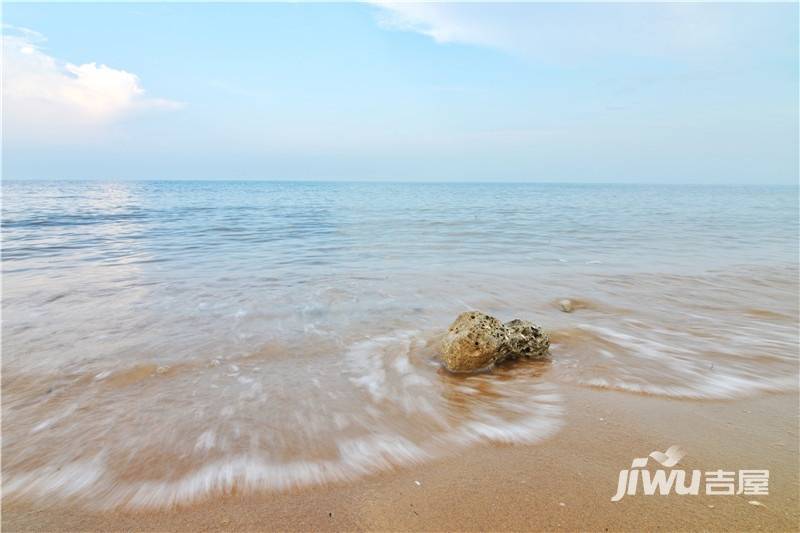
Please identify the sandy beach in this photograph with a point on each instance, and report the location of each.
(400, 266)
(290, 374)
(564, 483)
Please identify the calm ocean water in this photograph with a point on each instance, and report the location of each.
(164, 341)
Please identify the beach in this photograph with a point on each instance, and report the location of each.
(233, 355)
(564, 483)
(400, 266)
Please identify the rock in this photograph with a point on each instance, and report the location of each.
(526, 339)
(476, 341)
(473, 342)
(568, 305)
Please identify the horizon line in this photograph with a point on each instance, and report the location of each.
(796, 184)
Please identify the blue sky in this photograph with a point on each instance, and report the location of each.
(685, 93)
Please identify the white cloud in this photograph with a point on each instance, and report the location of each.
(441, 22)
(44, 97)
(558, 32)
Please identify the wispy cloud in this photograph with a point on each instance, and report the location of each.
(44, 95)
(570, 32)
(441, 22)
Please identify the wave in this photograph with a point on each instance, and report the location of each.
(639, 357)
(201, 430)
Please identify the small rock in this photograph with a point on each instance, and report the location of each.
(756, 503)
(566, 306)
(417, 483)
(525, 339)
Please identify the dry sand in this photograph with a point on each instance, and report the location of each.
(564, 483)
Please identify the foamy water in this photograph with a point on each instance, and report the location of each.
(164, 342)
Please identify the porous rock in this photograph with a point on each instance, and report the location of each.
(473, 342)
(476, 341)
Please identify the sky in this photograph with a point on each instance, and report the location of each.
(651, 93)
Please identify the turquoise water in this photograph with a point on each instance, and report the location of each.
(164, 341)
(304, 228)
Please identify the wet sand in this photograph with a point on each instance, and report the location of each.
(563, 483)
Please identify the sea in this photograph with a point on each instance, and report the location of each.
(168, 341)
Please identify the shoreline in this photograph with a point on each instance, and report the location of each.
(563, 483)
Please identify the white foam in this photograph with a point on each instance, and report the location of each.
(405, 416)
(651, 359)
